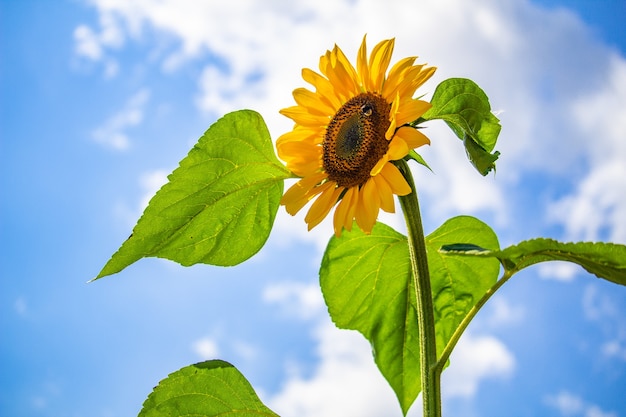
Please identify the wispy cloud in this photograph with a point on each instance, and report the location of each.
(529, 60)
(558, 271)
(296, 299)
(345, 381)
(596, 208)
(206, 348)
(502, 312)
(474, 359)
(571, 405)
(112, 133)
(605, 311)
(92, 45)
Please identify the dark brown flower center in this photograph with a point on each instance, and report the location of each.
(355, 139)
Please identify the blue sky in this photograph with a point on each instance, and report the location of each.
(101, 99)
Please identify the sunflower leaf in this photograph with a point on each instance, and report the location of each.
(211, 388)
(367, 285)
(482, 160)
(219, 205)
(604, 260)
(465, 108)
(459, 283)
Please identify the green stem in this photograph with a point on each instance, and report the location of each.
(430, 373)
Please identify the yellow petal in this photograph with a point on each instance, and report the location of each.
(407, 84)
(413, 137)
(301, 192)
(313, 102)
(323, 204)
(411, 110)
(379, 62)
(304, 118)
(398, 149)
(361, 64)
(392, 118)
(385, 193)
(300, 134)
(323, 87)
(344, 213)
(367, 209)
(396, 181)
(379, 165)
(347, 72)
(424, 75)
(396, 74)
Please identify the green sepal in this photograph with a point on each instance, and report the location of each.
(417, 158)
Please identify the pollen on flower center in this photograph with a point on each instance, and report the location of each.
(355, 139)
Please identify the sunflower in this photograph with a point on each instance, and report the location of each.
(348, 131)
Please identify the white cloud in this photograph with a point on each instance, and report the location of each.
(112, 134)
(87, 44)
(503, 313)
(92, 45)
(345, 382)
(245, 350)
(567, 403)
(529, 60)
(150, 183)
(571, 405)
(206, 348)
(598, 306)
(476, 358)
(299, 300)
(604, 310)
(558, 270)
(596, 208)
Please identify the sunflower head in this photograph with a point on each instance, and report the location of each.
(347, 133)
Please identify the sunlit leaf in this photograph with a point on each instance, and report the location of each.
(366, 282)
(604, 260)
(219, 205)
(367, 285)
(206, 389)
(458, 283)
(465, 107)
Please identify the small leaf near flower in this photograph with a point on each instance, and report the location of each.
(465, 108)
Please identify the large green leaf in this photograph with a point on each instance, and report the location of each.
(465, 107)
(604, 260)
(458, 283)
(367, 285)
(211, 388)
(219, 205)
